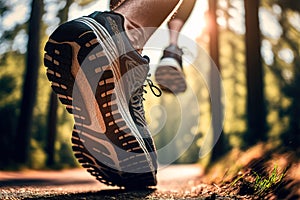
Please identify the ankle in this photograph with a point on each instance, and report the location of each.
(136, 34)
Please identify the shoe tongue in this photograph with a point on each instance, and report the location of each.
(134, 69)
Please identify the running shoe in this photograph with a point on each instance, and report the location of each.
(169, 72)
(100, 78)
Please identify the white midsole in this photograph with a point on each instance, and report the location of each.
(169, 62)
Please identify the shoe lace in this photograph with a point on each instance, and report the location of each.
(154, 89)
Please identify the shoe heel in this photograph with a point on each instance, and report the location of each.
(58, 60)
(59, 57)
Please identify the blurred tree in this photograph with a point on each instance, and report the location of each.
(232, 60)
(217, 108)
(170, 129)
(8, 34)
(256, 112)
(286, 67)
(52, 113)
(8, 113)
(11, 64)
(51, 129)
(22, 142)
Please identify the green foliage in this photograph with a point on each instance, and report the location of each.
(252, 182)
(12, 66)
(234, 82)
(262, 184)
(8, 84)
(284, 76)
(8, 116)
(178, 135)
(37, 155)
(237, 179)
(9, 106)
(282, 80)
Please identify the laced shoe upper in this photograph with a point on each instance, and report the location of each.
(169, 73)
(134, 72)
(173, 51)
(136, 108)
(131, 62)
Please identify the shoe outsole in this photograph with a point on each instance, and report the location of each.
(170, 79)
(63, 50)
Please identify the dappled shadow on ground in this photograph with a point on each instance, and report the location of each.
(121, 194)
(174, 182)
(40, 182)
(65, 188)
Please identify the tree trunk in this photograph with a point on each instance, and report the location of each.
(215, 84)
(30, 84)
(52, 130)
(256, 113)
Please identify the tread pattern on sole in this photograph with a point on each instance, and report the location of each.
(170, 79)
(59, 60)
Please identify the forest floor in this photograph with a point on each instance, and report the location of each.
(259, 173)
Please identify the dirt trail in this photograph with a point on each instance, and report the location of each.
(175, 182)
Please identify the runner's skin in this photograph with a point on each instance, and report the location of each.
(177, 22)
(162, 9)
(147, 13)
